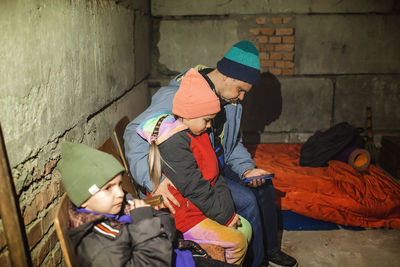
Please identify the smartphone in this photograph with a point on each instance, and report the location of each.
(262, 177)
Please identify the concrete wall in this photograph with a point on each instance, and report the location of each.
(69, 71)
(332, 58)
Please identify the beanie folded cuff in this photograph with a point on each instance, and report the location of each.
(191, 111)
(238, 71)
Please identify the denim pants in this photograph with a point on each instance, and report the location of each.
(257, 205)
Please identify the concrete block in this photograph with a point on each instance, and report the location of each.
(142, 5)
(299, 137)
(101, 126)
(61, 61)
(271, 138)
(336, 44)
(142, 39)
(306, 105)
(186, 43)
(199, 7)
(381, 92)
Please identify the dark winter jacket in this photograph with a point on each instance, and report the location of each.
(101, 241)
(190, 163)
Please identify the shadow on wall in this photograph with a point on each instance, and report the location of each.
(261, 106)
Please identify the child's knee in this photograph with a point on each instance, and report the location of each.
(240, 242)
(245, 229)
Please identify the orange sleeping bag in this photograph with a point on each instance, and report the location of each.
(337, 193)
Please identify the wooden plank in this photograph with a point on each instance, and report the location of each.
(13, 223)
(127, 183)
(119, 138)
(61, 223)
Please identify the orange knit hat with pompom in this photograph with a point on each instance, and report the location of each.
(194, 97)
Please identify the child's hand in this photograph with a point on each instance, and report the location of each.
(137, 203)
(235, 222)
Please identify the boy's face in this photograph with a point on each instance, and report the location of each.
(233, 90)
(109, 199)
(200, 124)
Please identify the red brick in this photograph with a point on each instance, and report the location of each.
(284, 31)
(261, 20)
(47, 221)
(42, 200)
(275, 71)
(57, 255)
(284, 47)
(279, 64)
(49, 263)
(40, 252)
(288, 39)
(52, 192)
(5, 258)
(277, 20)
(36, 172)
(263, 55)
(275, 56)
(275, 40)
(287, 56)
(61, 190)
(49, 166)
(267, 31)
(30, 212)
(34, 234)
(266, 47)
(262, 39)
(287, 72)
(286, 20)
(266, 63)
(289, 64)
(255, 31)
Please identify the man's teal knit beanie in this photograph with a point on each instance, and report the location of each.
(241, 63)
(84, 170)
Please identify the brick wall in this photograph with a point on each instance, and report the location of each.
(275, 40)
(53, 100)
(38, 196)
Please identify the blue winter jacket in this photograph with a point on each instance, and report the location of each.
(136, 148)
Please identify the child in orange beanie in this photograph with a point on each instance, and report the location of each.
(181, 149)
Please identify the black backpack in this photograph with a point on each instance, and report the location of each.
(324, 146)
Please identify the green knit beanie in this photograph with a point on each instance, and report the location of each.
(85, 170)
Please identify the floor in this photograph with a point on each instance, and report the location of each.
(367, 248)
(344, 248)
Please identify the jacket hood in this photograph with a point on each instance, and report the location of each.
(168, 127)
(177, 80)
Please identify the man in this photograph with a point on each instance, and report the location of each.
(234, 76)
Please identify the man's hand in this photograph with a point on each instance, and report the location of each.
(167, 196)
(255, 172)
(235, 223)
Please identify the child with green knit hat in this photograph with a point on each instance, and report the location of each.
(109, 227)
